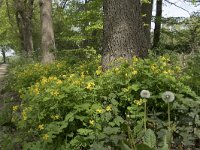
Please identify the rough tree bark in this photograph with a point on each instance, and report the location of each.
(158, 18)
(48, 41)
(146, 17)
(123, 31)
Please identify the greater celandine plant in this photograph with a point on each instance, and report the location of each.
(168, 97)
(145, 94)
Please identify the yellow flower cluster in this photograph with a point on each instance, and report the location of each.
(91, 122)
(108, 108)
(139, 102)
(54, 93)
(15, 108)
(135, 59)
(99, 70)
(41, 126)
(24, 112)
(45, 137)
(55, 117)
(168, 71)
(134, 72)
(90, 85)
(99, 111)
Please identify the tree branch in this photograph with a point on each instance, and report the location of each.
(177, 6)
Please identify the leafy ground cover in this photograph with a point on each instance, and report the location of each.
(80, 106)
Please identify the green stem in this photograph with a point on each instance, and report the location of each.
(133, 146)
(145, 116)
(169, 127)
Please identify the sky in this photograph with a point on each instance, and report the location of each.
(173, 11)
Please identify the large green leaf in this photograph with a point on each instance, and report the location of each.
(150, 138)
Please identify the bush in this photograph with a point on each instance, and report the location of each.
(86, 108)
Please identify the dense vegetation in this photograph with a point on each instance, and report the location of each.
(88, 85)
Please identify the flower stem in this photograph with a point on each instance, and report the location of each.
(169, 127)
(145, 116)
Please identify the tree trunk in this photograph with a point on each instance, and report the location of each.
(24, 13)
(4, 55)
(48, 42)
(146, 17)
(123, 31)
(157, 23)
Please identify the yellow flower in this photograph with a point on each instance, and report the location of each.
(164, 64)
(134, 72)
(91, 122)
(99, 111)
(153, 67)
(45, 137)
(15, 108)
(44, 81)
(72, 75)
(168, 71)
(54, 93)
(64, 76)
(135, 59)
(41, 127)
(108, 108)
(55, 117)
(24, 115)
(59, 82)
(138, 102)
(36, 91)
(90, 85)
(116, 70)
(82, 75)
(99, 70)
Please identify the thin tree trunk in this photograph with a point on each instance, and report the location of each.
(146, 17)
(123, 31)
(158, 18)
(48, 42)
(4, 55)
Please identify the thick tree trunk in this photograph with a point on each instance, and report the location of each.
(48, 42)
(157, 23)
(123, 31)
(146, 17)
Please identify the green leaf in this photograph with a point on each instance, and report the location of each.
(124, 146)
(83, 131)
(143, 147)
(150, 138)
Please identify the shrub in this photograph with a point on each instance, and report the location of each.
(86, 108)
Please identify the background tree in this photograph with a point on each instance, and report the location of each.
(24, 14)
(147, 6)
(157, 23)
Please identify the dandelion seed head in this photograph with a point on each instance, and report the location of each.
(168, 96)
(145, 94)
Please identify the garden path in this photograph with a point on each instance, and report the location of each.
(3, 70)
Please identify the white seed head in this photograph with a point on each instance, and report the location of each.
(168, 96)
(145, 94)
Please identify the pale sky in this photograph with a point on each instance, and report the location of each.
(173, 11)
